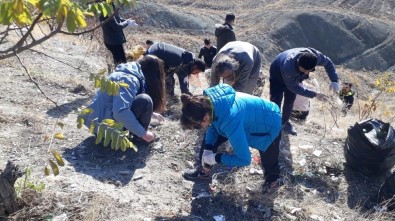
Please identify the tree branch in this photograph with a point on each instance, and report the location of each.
(65, 63)
(36, 83)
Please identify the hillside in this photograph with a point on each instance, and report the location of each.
(100, 184)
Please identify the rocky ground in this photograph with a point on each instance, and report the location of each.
(100, 184)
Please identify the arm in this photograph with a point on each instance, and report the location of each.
(211, 136)
(293, 84)
(242, 78)
(241, 154)
(323, 60)
(200, 53)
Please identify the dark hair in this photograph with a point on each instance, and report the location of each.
(207, 41)
(194, 108)
(153, 70)
(348, 84)
(199, 64)
(230, 17)
(307, 60)
(149, 42)
(226, 62)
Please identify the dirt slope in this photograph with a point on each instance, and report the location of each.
(100, 184)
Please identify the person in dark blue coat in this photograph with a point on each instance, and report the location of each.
(113, 35)
(245, 120)
(177, 60)
(289, 69)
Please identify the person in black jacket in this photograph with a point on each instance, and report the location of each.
(208, 51)
(224, 32)
(177, 60)
(113, 34)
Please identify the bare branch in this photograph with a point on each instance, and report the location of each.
(36, 83)
(63, 62)
(20, 42)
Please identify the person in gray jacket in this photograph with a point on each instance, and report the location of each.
(289, 69)
(224, 32)
(238, 63)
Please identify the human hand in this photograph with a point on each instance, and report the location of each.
(132, 23)
(208, 157)
(149, 136)
(335, 87)
(157, 117)
(322, 97)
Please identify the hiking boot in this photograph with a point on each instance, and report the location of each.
(196, 174)
(288, 128)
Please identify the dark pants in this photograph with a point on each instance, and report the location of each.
(278, 91)
(348, 101)
(118, 53)
(171, 82)
(142, 108)
(269, 158)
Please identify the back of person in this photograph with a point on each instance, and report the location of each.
(171, 55)
(261, 119)
(224, 32)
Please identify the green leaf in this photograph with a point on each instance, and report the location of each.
(59, 136)
(86, 111)
(58, 158)
(71, 22)
(103, 9)
(55, 168)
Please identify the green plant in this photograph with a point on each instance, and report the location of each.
(26, 182)
(384, 85)
(58, 158)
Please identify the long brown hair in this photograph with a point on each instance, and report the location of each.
(153, 70)
(194, 108)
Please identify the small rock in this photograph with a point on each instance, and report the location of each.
(302, 162)
(317, 153)
(137, 177)
(256, 171)
(157, 146)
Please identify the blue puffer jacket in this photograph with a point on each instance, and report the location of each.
(119, 107)
(245, 120)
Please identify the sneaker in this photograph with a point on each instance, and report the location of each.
(196, 174)
(288, 128)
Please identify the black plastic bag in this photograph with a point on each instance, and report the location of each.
(370, 147)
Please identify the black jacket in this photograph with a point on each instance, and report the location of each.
(208, 54)
(224, 33)
(112, 30)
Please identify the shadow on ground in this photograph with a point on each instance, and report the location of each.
(105, 164)
(64, 109)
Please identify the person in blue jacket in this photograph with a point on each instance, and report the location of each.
(135, 105)
(245, 120)
(289, 69)
(177, 60)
